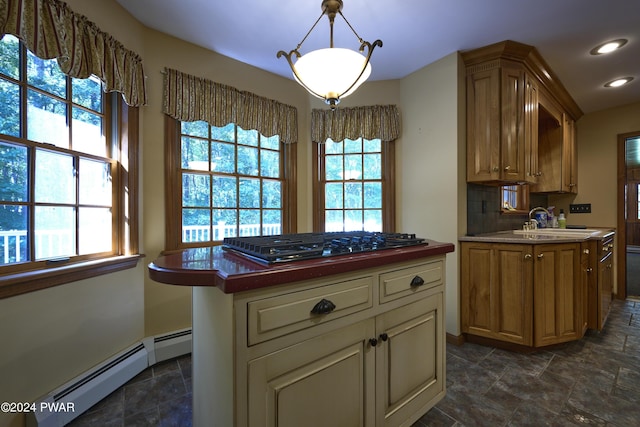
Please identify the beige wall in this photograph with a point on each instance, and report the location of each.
(432, 187)
(597, 166)
(597, 163)
(49, 336)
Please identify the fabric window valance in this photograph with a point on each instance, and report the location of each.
(189, 98)
(50, 29)
(371, 122)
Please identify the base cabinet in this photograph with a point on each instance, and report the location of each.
(558, 294)
(319, 382)
(530, 295)
(600, 289)
(497, 291)
(375, 357)
(409, 373)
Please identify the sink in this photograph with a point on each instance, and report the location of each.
(561, 232)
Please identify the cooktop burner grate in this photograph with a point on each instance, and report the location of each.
(292, 247)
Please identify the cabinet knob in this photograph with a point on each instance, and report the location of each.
(373, 342)
(527, 256)
(589, 270)
(496, 169)
(540, 256)
(417, 281)
(324, 306)
(384, 336)
(507, 168)
(586, 252)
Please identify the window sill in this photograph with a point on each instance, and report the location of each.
(513, 212)
(24, 282)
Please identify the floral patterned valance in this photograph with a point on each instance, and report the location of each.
(190, 98)
(372, 122)
(50, 29)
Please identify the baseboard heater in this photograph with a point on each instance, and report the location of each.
(67, 402)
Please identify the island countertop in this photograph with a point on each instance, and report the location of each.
(232, 272)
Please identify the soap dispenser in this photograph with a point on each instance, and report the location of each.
(562, 220)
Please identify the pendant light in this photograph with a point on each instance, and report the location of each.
(331, 73)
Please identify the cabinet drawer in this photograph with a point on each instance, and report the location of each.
(407, 281)
(283, 314)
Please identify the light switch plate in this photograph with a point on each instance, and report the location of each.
(580, 208)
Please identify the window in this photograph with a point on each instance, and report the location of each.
(515, 198)
(231, 182)
(62, 178)
(354, 189)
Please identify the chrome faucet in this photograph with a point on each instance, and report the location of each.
(533, 221)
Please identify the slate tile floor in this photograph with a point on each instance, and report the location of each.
(594, 381)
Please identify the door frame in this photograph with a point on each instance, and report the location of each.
(621, 261)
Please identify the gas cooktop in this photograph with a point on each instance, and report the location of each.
(294, 247)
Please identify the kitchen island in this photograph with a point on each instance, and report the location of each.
(350, 340)
(537, 288)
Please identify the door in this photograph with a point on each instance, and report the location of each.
(628, 261)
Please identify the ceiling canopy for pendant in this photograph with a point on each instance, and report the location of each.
(331, 73)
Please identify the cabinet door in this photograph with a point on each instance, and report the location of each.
(569, 155)
(512, 145)
(324, 381)
(410, 361)
(557, 294)
(483, 126)
(605, 287)
(496, 293)
(532, 170)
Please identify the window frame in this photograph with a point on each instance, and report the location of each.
(173, 189)
(522, 197)
(388, 186)
(46, 274)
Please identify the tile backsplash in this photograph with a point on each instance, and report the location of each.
(484, 214)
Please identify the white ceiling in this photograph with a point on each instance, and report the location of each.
(416, 33)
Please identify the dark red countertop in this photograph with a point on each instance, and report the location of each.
(231, 272)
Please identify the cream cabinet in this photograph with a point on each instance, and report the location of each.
(530, 295)
(365, 348)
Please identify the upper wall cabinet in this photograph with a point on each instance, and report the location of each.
(505, 84)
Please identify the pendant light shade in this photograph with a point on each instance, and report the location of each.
(331, 73)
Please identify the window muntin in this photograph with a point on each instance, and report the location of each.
(57, 198)
(232, 183)
(352, 185)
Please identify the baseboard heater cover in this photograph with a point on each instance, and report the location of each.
(67, 402)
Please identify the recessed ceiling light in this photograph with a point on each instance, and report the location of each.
(618, 82)
(608, 47)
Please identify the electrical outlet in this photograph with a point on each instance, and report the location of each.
(580, 208)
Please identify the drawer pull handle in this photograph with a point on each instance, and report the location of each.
(324, 306)
(417, 281)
